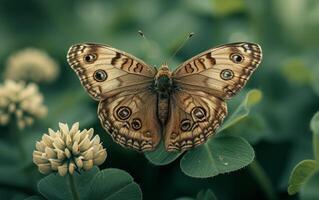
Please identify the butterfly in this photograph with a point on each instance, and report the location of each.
(140, 105)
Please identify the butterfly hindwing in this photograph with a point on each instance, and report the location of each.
(131, 119)
(194, 116)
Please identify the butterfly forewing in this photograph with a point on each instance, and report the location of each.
(221, 71)
(105, 71)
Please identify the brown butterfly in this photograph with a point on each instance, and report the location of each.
(140, 104)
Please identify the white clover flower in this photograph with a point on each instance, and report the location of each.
(20, 103)
(31, 65)
(67, 150)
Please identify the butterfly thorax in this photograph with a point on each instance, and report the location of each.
(163, 87)
(163, 79)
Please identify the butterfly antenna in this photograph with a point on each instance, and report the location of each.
(181, 46)
(148, 46)
(141, 34)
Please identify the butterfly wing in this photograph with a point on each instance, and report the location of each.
(220, 71)
(194, 116)
(204, 82)
(122, 84)
(131, 119)
(105, 71)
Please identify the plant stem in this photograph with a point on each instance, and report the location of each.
(74, 191)
(315, 144)
(17, 138)
(261, 177)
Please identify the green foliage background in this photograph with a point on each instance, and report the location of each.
(278, 127)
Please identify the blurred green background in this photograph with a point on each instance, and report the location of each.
(288, 76)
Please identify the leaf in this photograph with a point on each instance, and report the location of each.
(160, 156)
(114, 184)
(253, 128)
(57, 187)
(206, 195)
(54, 187)
(297, 71)
(185, 198)
(111, 184)
(310, 189)
(35, 198)
(315, 80)
(83, 181)
(223, 8)
(252, 98)
(300, 174)
(200, 7)
(314, 125)
(202, 195)
(219, 155)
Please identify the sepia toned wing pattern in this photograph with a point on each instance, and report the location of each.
(122, 84)
(194, 116)
(131, 119)
(105, 71)
(220, 71)
(198, 108)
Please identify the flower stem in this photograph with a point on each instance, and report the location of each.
(74, 191)
(261, 177)
(17, 138)
(315, 144)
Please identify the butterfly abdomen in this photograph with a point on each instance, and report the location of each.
(162, 107)
(163, 86)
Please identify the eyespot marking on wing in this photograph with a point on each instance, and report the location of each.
(226, 74)
(90, 58)
(199, 113)
(136, 124)
(185, 124)
(123, 112)
(236, 58)
(100, 75)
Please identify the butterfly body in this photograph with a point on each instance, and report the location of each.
(140, 105)
(163, 87)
